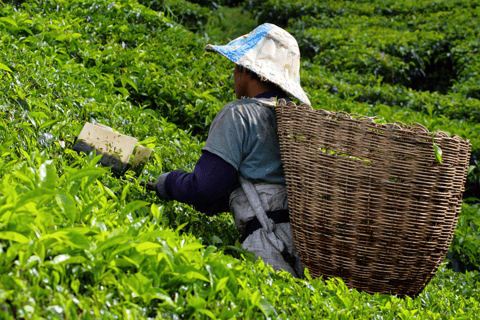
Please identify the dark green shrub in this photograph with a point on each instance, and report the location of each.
(465, 248)
(75, 242)
(189, 14)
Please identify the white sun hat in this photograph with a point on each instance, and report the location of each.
(270, 52)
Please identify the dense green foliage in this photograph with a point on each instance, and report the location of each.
(86, 53)
(77, 242)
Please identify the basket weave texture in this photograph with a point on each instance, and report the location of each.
(368, 202)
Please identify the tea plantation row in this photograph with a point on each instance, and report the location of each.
(76, 242)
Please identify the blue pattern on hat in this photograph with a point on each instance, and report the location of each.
(237, 48)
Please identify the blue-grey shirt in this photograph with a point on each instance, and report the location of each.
(244, 134)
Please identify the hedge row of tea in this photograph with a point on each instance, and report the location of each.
(76, 242)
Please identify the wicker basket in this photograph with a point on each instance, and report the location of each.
(368, 202)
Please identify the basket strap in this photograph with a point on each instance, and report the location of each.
(256, 204)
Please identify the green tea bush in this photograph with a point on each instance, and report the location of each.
(191, 15)
(151, 60)
(73, 247)
(465, 248)
(370, 89)
(418, 44)
(216, 3)
(76, 242)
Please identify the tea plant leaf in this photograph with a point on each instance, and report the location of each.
(67, 259)
(92, 173)
(127, 79)
(67, 205)
(9, 20)
(38, 115)
(222, 283)
(160, 294)
(34, 195)
(438, 153)
(181, 227)
(191, 247)
(47, 124)
(125, 192)
(123, 91)
(25, 179)
(25, 106)
(147, 246)
(125, 247)
(61, 37)
(147, 141)
(47, 174)
(113, 241)
(267, 308)
(77, 240)
(196, 275)
(207, 313)
(13, 236)
(155, 211)
(196, 302)
(131, 261)
(470, 169)
(6, 208)
(59, 259)
(132, 206)
(155, 234)
(122, 263)
(4, 67)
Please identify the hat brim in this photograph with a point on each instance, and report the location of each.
(246, 51)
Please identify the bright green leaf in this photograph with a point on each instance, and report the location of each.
(9, 20)
(13, 236)
(196, 275)
(438, 153)
(48, 175)
(147, 246)
(89, 172)
(222, 283)
(4, 67)
(132, 206)
(34, 195)
(196, 302)
(61, 37)
(67, 205)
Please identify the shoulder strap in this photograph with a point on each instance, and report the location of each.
(256, 204)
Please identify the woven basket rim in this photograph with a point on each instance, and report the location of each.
(413, 127)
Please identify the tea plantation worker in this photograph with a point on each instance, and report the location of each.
(240, 169)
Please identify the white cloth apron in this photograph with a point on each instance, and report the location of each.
(273, 242)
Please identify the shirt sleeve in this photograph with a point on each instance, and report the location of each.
(207, 188)
(226, 137)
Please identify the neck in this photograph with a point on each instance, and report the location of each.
(254, 87)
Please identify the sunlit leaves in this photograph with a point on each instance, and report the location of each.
(67, 205)
(13, 236)
(4, 67)
(78, 242)
(438, 153)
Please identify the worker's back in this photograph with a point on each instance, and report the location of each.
(244, 133)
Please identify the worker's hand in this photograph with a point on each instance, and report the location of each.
(150, 186)
(159, 187)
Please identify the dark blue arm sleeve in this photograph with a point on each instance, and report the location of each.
(207, 188)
